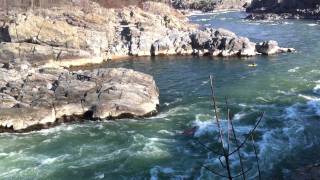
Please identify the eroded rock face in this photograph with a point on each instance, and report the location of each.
(221, 42)
(38, 97)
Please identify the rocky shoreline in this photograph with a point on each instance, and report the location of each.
(35, 46)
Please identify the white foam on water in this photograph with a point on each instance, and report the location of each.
(291, 112)
(51, 160)
(173, 102)
(163, 131)
(155, 171)
(239, 116)
(150, 147)
(312, 24)
(214, 12)
(316, 89)
(203, 20)
(310, 98)
(291, 92)
(294, 69)
(287, 23)
(315, 71)
(204, 127)
(171, 112)
(254, 23)
(12, 171)
(48, 161)
(277, 143)
(207, 127)
(99, 175)
(262, 99)
(314, 105)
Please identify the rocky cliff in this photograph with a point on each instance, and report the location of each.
(261, 9)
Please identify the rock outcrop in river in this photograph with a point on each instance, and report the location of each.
(294, 9)
(32, 98)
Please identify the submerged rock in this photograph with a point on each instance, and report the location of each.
(40, 97)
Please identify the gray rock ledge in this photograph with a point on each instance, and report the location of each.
(32, 99)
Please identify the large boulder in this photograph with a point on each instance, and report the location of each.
(271, 47)
(221, 42)
(40, 97)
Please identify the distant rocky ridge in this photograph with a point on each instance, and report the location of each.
(35, 92)
(293, 9)
(210, 5)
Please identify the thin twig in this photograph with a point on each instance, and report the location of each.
(224, 166)
(214, 172)
(256, 154)
(240, 174)
(208, 148)
(236, 141)
(225, 153)
(228, 128)
(246, 139)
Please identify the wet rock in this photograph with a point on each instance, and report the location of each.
(43, 96)
(221, 42)
(271, 47)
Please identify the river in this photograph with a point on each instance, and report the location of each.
(286, 87)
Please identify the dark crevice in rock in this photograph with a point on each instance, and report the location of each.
(87, 116)
(4, 34)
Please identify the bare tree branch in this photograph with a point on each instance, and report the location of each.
(236, 140)
(250, 133)
(225, 153)
(216, 173)
(208, 148)
(256, 155)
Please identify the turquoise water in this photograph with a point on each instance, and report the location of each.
(286, 87)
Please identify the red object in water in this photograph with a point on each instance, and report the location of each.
(190, 131)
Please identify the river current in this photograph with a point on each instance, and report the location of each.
(286, 87)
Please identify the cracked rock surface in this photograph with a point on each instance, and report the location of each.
(40, 97)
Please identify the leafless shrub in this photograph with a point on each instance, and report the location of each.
(226, 141)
